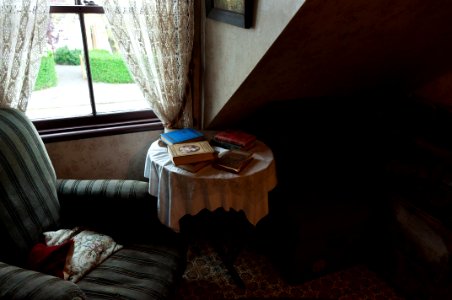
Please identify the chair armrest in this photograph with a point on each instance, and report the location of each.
(18, 283)
(103, 189)
(121, 208)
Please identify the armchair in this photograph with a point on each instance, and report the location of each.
(33, 201)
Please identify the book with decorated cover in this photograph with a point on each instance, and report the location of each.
(240, 138)
(191, 152)
(181, 136)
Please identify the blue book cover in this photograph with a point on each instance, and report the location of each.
(181, 136)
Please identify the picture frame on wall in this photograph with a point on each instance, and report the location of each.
(235, 12)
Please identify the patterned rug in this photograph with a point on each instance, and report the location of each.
(207, 278)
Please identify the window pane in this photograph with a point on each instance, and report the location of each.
(114, 87)
(61, 89)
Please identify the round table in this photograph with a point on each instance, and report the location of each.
(181, 192)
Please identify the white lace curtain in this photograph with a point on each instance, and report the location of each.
(23, 28)
(156, 39)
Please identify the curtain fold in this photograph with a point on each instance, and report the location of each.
(23, 29)
(156, 39)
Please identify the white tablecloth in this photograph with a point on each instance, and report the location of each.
(181, 192)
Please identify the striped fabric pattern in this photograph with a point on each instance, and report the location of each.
(104, 188)
(113, 206)
(18, 283)
(29, 203)
(136, 272)
(32, 201)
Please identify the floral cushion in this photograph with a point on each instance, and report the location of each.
(90, 249)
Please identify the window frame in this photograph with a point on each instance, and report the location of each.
(94, 125)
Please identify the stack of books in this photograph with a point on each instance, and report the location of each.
(189, 149)
(234, 139)
(193, 162)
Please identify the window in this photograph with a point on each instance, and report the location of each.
(84, 86)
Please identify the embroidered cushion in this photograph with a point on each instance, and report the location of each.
(90, 249)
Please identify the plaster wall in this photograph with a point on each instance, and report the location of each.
(109, 157)
(232, 52)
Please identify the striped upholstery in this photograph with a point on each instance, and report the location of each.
(18, 283)
(138, 271)
(32, 200)
(135, 272)
(28, 197)
(104, 188)
(127, 201)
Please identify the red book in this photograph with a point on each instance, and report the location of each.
(236, 137)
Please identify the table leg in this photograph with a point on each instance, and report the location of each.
(226, 231)
(228, 256)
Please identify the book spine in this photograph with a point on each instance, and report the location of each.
(226, 145)
(231, 141)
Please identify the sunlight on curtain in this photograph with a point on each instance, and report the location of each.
(23, 28)
(156, 39)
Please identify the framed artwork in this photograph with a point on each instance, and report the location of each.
(234, 12)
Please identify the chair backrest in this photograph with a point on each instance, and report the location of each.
(28, 198)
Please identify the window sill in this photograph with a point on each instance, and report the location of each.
(66, 129)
